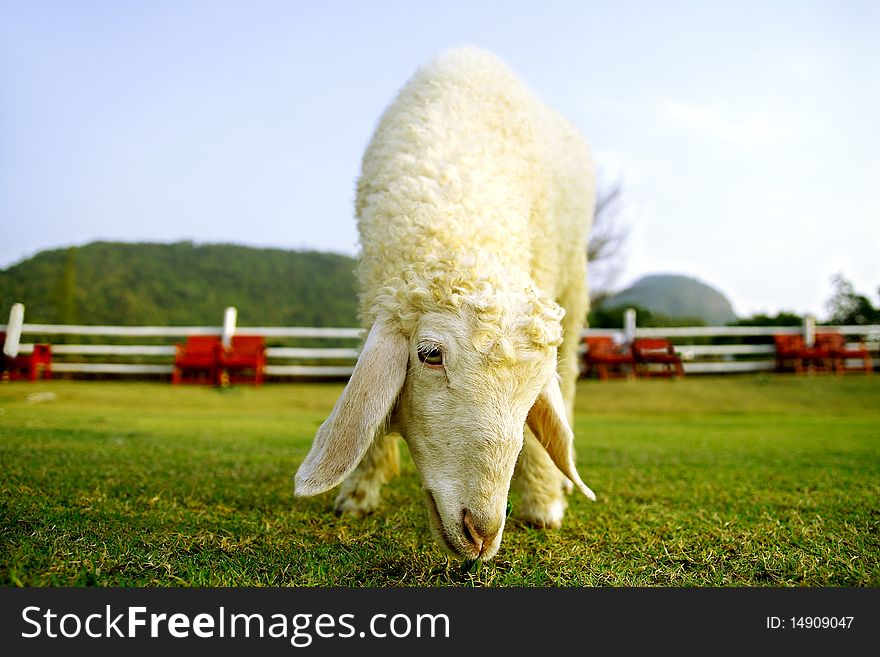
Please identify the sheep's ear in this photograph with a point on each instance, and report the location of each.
(547, 420)
(360, 413)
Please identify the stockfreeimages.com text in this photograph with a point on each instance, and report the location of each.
(300, 629)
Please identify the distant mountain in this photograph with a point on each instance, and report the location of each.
(674, 295)
(182, 284)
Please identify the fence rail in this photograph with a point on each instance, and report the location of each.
(714, 350)
(184, 331)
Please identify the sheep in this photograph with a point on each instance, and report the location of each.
(473, 204)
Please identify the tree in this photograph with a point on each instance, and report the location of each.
(782, 318)
(607, 240)
(847, 307)
(65, 291)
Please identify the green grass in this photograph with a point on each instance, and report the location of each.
(737, 481)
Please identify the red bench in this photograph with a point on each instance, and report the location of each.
(792, 349)
(27, 367)
(244, 361)
(606, 359)
(840, 353)
(656, 357)
(196, 361)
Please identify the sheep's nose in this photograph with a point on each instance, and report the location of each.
(479, 532)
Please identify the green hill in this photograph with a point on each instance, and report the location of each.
(674, 295)
(182, 284)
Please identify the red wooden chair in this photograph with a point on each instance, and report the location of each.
(196, 361)
(245, 360)
(27, 366)
(605, 358)
(656, 357)
(792, 349)
(840, 353)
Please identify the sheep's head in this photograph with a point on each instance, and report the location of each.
(459, 380)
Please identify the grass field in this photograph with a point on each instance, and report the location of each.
(737, 481)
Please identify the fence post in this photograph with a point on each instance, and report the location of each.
(809, 330)
(13, 330)
(629, 325)
(229, 318)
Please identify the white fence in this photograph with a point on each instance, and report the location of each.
(694, 345)
(281, 361)
(734, 358)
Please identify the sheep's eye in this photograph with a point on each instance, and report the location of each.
(430, 354)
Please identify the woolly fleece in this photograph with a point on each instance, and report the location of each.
(472, 189)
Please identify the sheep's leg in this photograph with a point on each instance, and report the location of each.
(540, 485)
(359, 494)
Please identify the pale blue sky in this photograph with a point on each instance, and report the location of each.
(745, 133)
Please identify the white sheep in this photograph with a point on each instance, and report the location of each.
(473, 205)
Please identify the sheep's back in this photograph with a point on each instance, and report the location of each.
(465, 165)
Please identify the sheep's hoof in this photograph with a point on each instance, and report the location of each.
(544, 516)
(341, 510)
(543, 524)
(357, 503)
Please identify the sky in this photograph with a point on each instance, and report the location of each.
(744, 134)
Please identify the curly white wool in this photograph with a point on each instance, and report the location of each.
(458, 198)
